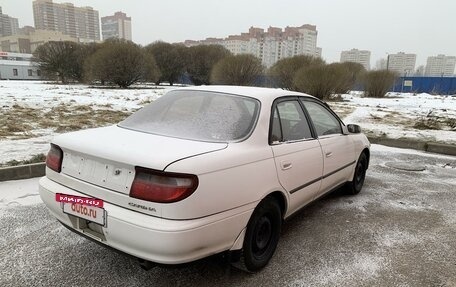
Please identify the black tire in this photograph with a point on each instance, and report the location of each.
(262, 236)
(355, 186)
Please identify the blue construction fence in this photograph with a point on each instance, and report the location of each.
(430, 85)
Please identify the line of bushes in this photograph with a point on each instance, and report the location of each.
(123, 63)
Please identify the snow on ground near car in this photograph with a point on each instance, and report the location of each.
(414, 116)
(19, 192)
(32, 112)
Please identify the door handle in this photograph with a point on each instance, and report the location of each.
(329, 154)
(286, 165)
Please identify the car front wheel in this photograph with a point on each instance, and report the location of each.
(262, 236)
(355, 186)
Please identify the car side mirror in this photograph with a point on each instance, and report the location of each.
(354, 129)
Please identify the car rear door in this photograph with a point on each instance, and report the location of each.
(338, 149)
(297, 154)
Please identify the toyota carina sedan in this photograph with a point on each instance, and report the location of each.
(201, 171)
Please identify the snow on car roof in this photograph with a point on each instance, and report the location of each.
(255, 92)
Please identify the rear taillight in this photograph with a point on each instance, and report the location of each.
(54, 158)
(163, 187)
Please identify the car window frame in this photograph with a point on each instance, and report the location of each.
(326, 107)
(306, 115)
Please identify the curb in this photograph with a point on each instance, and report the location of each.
(22, 171)
(39, 169)
(433, 147)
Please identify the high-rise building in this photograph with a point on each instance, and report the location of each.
(116, 26)
(8, 25)
(440, 65)
(357, 56)
(270, 46)
(402, 63)
(78, 22)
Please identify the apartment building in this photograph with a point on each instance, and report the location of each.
(402, 63)
(270, 45)
(357, 56)
(440, 65)
(8, 25)
(78, 22)
(116, 26)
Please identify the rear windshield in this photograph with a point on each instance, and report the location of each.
(197, 115)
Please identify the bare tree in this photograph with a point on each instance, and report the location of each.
(343, 76)
(170, 59)
(152, 71)
(200, 61)
(241, 70)
(322, 80)
(284, 71)
(377, 83)
(353, 73)
(119, 62)
(62, 61)
(313, 80)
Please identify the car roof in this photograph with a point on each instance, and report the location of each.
(255, 92)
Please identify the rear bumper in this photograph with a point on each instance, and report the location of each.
(150, 238)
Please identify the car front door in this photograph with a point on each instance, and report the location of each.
(338, 149)
(297, 153)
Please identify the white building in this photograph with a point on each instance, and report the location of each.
(116, 26)
(402, 63)
(440, 65)
(357, 56)
(8, 25)
(270, 46)
(18, 66)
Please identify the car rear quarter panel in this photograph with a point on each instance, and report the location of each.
(240, 175)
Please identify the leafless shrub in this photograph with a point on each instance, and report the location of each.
(377, 83)
(241, 70)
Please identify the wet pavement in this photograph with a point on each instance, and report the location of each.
(399, 231)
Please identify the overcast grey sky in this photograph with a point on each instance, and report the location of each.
(424, 27)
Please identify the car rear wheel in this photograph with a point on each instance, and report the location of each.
(262, 236)
(355, 186)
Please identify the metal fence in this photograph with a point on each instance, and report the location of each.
(430, 85)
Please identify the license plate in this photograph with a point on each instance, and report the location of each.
(87, 208)
(90, 213)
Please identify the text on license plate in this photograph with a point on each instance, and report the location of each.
(91, 213)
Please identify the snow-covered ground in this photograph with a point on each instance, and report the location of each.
(32, 112)
(414, 116)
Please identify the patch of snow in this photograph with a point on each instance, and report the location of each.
(387, 149)
(407, 106)
(362, 265)
(19, 192)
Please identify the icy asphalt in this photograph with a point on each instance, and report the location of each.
(399, 231)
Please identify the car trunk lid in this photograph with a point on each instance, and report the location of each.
(107, 157)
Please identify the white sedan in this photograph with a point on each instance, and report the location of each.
(201, 171)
